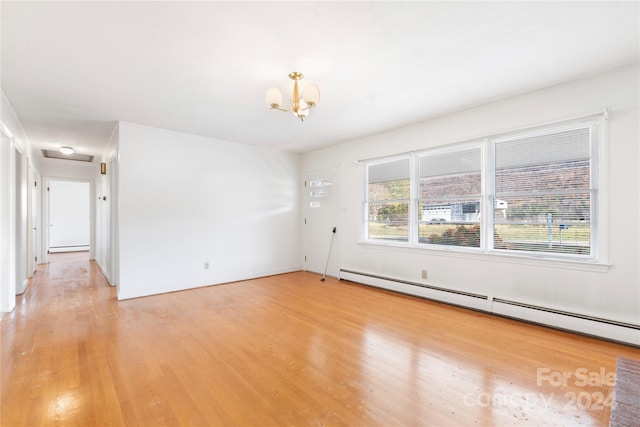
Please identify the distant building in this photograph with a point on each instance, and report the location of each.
(457, 212)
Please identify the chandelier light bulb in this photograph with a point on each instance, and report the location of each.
(311, 95)
(273, 97)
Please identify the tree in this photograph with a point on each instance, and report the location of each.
(377, 191)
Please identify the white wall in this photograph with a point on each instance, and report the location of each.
(185, 200)
(611, 292)
(68, 169)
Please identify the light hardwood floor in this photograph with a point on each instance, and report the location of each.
(286, 350)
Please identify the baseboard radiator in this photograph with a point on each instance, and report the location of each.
(69, 248)
(626, 333)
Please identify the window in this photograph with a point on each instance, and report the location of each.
(450, 197)
(531, 192)
(387, 201)
(546, 187)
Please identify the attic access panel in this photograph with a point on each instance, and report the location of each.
(54, 154)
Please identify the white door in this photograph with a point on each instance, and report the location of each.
(321, 216)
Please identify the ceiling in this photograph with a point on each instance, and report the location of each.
(72, 69)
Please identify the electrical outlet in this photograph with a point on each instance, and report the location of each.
(424, 274)
(206, 265)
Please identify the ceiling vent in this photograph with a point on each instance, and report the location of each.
(55, 154)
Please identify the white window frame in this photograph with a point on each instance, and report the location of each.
(365, 200)
(446, 149)
(593, 190)
(599, 181)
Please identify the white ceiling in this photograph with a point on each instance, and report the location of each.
(71, 69)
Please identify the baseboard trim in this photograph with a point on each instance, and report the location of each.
(104, 272)
(139, 293)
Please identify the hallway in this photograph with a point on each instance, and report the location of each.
(47, 371)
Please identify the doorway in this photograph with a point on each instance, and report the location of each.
(7, 222)
(68, 216)
(321, 216)
(33, 219)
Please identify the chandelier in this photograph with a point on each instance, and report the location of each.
(299, 105)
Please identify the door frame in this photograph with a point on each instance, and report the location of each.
(33, 220)
(7, 220)
(46, 181)
(306, 243)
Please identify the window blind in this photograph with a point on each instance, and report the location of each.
(544, 185)
(449, 204)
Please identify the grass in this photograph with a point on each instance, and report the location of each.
(530, 237)
(389, 231)
(539, 233)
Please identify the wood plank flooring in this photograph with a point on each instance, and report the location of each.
(286, 350)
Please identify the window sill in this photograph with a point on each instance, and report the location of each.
(480, 255)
